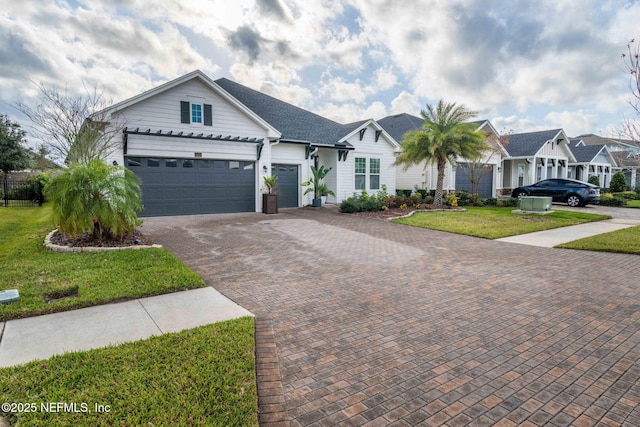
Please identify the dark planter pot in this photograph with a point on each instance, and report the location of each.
(270, 203)
(316, 203)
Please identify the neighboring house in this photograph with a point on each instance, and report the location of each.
(534, 156)
(458, 176)
(204, 146)
(591, 160)
(626, 155)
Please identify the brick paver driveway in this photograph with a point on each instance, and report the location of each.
(365, 322)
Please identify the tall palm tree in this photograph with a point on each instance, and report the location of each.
(444, 137)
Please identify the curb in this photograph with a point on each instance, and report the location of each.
(68, 249)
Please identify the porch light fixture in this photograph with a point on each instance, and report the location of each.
(264, 168)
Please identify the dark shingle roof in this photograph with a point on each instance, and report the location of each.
(399, 124)
(586, 153)
(294, 123)
(528, 144)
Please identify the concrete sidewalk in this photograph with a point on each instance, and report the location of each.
(40, 337)
(556, 236)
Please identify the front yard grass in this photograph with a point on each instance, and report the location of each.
(198, 377)
(495, 223)
(50, 282)
(633, 203)
(622, 241)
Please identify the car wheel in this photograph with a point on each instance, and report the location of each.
(574, 200)
(521, 194)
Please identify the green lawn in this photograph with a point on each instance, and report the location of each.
(85, 279)
(494, 223)
(623, 241)
(633, 203)
(198, 377)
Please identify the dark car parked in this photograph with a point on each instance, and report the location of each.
(569, 191)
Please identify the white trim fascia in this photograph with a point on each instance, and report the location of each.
(271, 131)
(375, 124)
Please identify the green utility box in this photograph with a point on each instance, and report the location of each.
(535, 204)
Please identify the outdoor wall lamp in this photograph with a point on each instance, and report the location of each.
(264, 168)
(115, 163)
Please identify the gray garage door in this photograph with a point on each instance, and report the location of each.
(288, 185)
(194, 186)
(463, 180)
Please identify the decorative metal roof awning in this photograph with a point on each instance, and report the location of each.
(201, 136)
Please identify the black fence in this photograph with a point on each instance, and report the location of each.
(21, 194)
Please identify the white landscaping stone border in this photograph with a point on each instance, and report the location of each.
(60, 248)
(427, 210)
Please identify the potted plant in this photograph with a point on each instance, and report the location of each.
(316, 185)
(324, 192)
(270, 197)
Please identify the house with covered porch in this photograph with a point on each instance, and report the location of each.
(534, 156)
(591, 160)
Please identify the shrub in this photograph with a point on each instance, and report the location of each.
(618, 182)
(362, 202)
(95, 198)
(627, 195)
(464, 198)
(593, 179)
(401, 192)
(608, 199)
(422, 193)
(492, 202)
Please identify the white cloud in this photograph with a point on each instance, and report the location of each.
(348, 113)
(405, 102)
(573, 122)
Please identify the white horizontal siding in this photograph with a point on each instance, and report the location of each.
(162, 112)
(368, 148)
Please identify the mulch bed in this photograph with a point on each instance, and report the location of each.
(86, 240)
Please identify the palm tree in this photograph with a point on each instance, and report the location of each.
(444, 136)
(95, 198)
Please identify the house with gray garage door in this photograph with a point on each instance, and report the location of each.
(457, 176)
(203, 146)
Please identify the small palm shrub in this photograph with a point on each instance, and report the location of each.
(95, 198)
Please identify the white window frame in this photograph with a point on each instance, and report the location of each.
(191, 112)
(371, 173)
(357, 174)
(367, 173)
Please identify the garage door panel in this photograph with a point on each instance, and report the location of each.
(463, 180)
(288, 184)
(194, 186)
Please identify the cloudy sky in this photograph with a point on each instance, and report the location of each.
(525, 65)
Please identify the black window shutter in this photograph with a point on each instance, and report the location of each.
(208, 119)
(184, 112)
